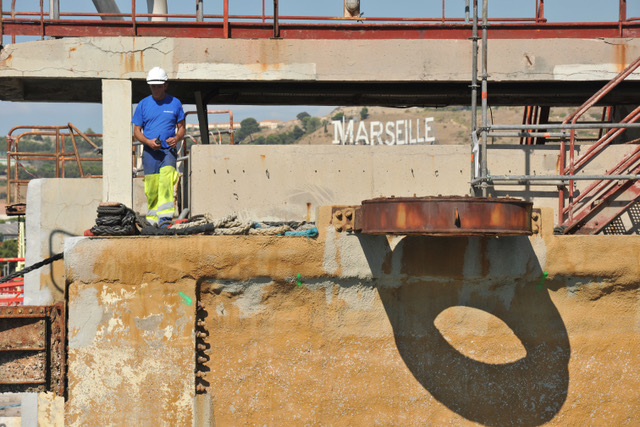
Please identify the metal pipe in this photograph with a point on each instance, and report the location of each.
(54, 9)
(42, 19)
(199, 11)
(225, 22)
(563, 178)
(474, 90)
(107, 7)
(527, 134)
(157, 7)
(625, 164)
(483, 156)
(622, 16)
(466, 11)
(565, 126)
(276, 24)
(603, 142)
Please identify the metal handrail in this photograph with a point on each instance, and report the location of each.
(67, 24)
(60, 156)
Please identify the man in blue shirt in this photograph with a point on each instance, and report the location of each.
(159, 124)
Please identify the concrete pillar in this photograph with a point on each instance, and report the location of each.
(157, 7)
(116, 130)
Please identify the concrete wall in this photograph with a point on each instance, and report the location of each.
(374, 330)
(316, 60)
(57, 209)
(291, 182)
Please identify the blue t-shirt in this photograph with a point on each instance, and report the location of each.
(158, 118)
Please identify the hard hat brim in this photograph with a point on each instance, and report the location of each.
(156, 81)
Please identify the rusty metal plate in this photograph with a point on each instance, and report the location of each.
(447, 216)
(22, 334)
(32, 348)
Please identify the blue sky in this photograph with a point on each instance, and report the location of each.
(90, 115)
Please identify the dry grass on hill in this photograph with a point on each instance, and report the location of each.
(452, 125)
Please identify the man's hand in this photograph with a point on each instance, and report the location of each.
(154, 144)
(172, 141)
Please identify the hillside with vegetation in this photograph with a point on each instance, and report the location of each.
(451, 125)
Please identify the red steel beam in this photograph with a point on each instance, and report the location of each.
(511, 30)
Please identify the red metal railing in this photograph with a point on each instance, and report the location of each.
(12, 292)
(600, 190)
(261, 25)
(59, 156)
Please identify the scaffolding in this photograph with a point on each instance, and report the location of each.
(604, 187)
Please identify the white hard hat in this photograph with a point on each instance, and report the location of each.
(156, 76)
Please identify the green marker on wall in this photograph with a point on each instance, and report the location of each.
(544, 277)
(185, 298)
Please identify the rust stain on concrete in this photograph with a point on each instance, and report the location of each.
(620, 52)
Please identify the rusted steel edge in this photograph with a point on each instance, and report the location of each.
(447, 216)
(24, 349)
(23, 382)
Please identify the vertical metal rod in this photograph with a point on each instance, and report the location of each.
(540, 12)
(483, 156)
(133, 16)
(263, 13)
(1, 28)
(57, 156)
(225, 24)
(199, 11)
(474, 87)
(42, 18)
(13, 15)
(443, 17)
(622, 16)
(276, 24)
(466, 11)
(54, 9)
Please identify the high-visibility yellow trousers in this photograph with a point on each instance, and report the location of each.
(158, 188)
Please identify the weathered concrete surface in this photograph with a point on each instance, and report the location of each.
(290, 182)
(323, 60)
(57, 209)
(231, 65)
(116, 120)
(131, 352)
(406, 331)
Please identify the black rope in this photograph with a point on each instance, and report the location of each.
(29, 269)
(116, 220)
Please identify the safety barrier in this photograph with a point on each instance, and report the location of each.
(12, 292)
(440, 23)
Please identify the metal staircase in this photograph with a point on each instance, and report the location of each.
(598, 207)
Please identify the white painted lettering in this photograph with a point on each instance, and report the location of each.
(362, 134)
(428, 131)
(340, 134)
(398, 132)
(375, 134)
(391, 133)
(399, 124)
(419, 139)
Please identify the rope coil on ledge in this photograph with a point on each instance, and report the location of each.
(118, 220)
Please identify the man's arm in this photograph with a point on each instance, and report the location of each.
(180, 131)
(151, 143)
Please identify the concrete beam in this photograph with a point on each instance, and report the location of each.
(116, 124)
(264, 71)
